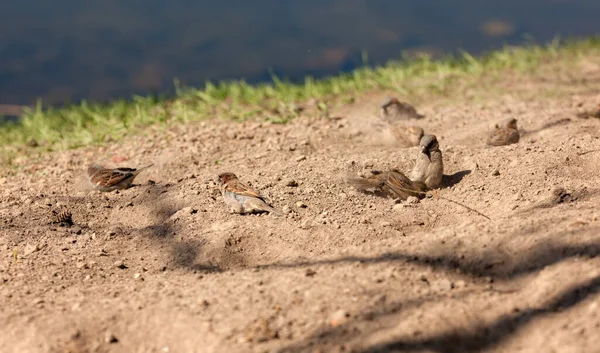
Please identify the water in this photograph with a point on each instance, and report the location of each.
(67, 50)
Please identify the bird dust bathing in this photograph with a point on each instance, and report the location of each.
(465, 221)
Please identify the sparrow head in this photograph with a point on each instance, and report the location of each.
(511, 123)
(94, 169)
(226, 177)
(429, 143)
(389, 101)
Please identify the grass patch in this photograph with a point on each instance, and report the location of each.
(91, 123)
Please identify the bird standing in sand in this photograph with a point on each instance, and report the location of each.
(506, 134)
(241, 198)
(429, 166)
(106, 179)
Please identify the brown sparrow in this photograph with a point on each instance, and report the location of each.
(429, 167)
(504, 135)
(241, 198)
(407, 136)
(594, 113)
(106, 180)
(391, 183)
(393, 110)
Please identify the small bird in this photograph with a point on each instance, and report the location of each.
(406, 136)
(392, 110)
(241, 198)
(429, 166)
(391, 183)
(504, 135)
(106, 180)
(594, 113)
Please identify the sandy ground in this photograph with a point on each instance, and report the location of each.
(163, 267)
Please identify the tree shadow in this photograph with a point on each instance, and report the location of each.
(459, 339)
(487, 336)
(165, 230)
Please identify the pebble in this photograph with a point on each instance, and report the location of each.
(30, 249)
(292, 183)
(120, 264)
(285, 209)
(412, 200)
(338, 318)
(300, 158)
(496, 172)
(300, 204)
(138, 276)
(111, 338)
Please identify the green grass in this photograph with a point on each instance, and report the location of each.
(92, 123)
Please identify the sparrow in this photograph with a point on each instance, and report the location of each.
(406, 136)
(106, 180)
(594, 113)
(393, 110)
(504, 135)
(241, 198)
(392, 183)
(429, 167)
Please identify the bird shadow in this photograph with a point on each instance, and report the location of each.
(549, 125)
(451, 180)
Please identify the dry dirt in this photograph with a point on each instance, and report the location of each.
(163, 267)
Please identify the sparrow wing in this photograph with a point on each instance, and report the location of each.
(111, 177)
(240, 188)
(400, 184)
(497, 138)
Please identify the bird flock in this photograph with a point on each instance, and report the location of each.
(426, 175)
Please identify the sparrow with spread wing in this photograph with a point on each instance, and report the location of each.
(392, 183)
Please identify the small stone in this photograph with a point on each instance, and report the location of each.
(300, 158)
(30, 249)
(305, 224)
(444, 284)
(385, 224)
(120, 264)
(111, 338)
(412, 200)
(496, 172)
(81, 265)
(338, 318)
(37, 301)
(292, 183)
(138, 276)
(285, 209)
(398, 207)
(300, 204)
(310, 272)
(76, 230)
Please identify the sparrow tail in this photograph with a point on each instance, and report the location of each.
(272, 210)
(139, 170)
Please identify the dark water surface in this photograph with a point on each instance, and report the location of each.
(66, 50)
